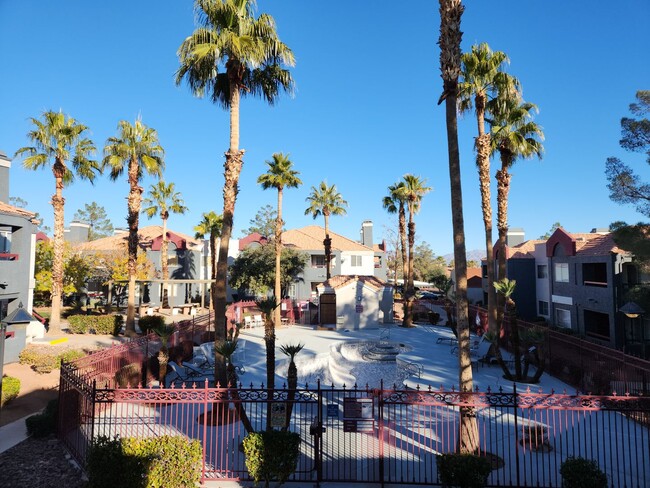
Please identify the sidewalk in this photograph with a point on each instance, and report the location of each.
(12, 434)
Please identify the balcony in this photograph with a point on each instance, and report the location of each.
(5, 256)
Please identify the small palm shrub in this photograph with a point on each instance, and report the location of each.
(271, 455)
(582, 473)
(10, 389)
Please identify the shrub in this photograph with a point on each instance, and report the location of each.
(43, 424)
(166, 461)
(95, 324)
(71, 355)
(149, 322)
(10, 389)
(271, 455)
(128, 376)
(582, 473)
(44, 360)
(463, 470)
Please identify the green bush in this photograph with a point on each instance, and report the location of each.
(582, 473)
(10, 389)
(170, 462)
(43, 424)
(271, 455)
(149, 322)
(128, 376)
(95, 324)
(44, 360)
(463, 470)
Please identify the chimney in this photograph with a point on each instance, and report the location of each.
(366, 233)
(5, 166)
(515, 236)
(77, 232)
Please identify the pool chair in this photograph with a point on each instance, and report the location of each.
(257, 321)
(208, 352)
(248, 322)
(185, 373)
(478, 353)
(240, 352)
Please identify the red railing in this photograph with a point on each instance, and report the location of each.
(5, 256)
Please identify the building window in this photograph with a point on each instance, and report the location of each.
(318, 261)
(596, 324)
(355, 260)
(562, 272)
(563, 317)
(542, 308)
(5, 240)
(594, 274)
(542, 271)
(484, 270)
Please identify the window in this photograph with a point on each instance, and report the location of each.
(563, 317)
(318, 261)
(542, 271)
(5, 240)
(355, 260)
(484, 271)
(542, 308)
(562, 272)
(597, 324)
(594, 274)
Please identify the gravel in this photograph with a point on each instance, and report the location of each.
(41, 463)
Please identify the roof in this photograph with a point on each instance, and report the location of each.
(583, 244)
(340, 281)
(311, 238)
(7, 209)
(146, 234)
(255, 237)
(525, 249)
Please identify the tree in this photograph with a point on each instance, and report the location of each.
(548, 234)
(426, 266)
(514, 136)
(267, 306)
(414, 189)
(625, 185)
(254, 269)
(395, 202)
(135, 149)
(210, 224)
(163, 200)
(325, 200)
(451, 12)
(61, 141)
(279, 175)
(482, 76)
(230, 37)
(95, 215)
(263, 223)
(291, 350)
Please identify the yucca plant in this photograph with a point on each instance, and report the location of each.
(227, 349)
(506, 288)
(164, 332)
(292, 376)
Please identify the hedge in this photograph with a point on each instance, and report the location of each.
(582, 473)
(463, 470)
(149, 322)
(157, 462)
(43, 424)
(46, 360)
(10, 389)
(271, 455)
(95, 324)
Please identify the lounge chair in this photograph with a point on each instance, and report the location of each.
(185, 373)
(479, 353)
(208, 352)
(248, 322)
(257, 321)
(240, 352)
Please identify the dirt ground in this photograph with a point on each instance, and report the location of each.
(35, 391)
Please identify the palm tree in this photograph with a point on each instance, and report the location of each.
(514, 135)
(267, 306)
(61, 141)
(279, 176)
(136, 150)
(482, 74)
(210, 224)
(451, 12)
(327, 201)
(232, 54)
(162, 200)
(395, 202)
(292, 376)
(414, 189)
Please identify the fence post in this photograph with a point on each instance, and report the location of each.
(205, 427)
(319, 439)
(92, 417)
(380, 413)
(514, 396)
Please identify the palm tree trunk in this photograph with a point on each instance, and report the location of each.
(410, 289)
(163, 262)
(134, 203)
(232, 170)
(328, 247)
(405, 273)
(503, 188)
(450, 38)
(277, 315)
(58, 204)
(213, 266)
(269, 341)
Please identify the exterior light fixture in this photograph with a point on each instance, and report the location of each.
(631, 310)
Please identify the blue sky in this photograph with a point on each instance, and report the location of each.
(364, 112)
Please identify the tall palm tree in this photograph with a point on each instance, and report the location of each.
(267, 306)
(414, 189)
(514, 136)
(327, 201)
(482, 75)
(137, 151)
(451, 12)
(395, 202)
(61, 141)
(210, 224)
(163, 200)
(231, 54)
(279, 176)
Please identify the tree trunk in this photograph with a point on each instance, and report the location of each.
(402, 237)
(269, 341)
(277, 313)
(232, 170)
(503, 187)
(134, 203)
(58, 204)
(328, 247)
(164, 249)
(409, 295)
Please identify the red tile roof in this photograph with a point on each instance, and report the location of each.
(311, 238)
(5, 208)
(336, 282)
